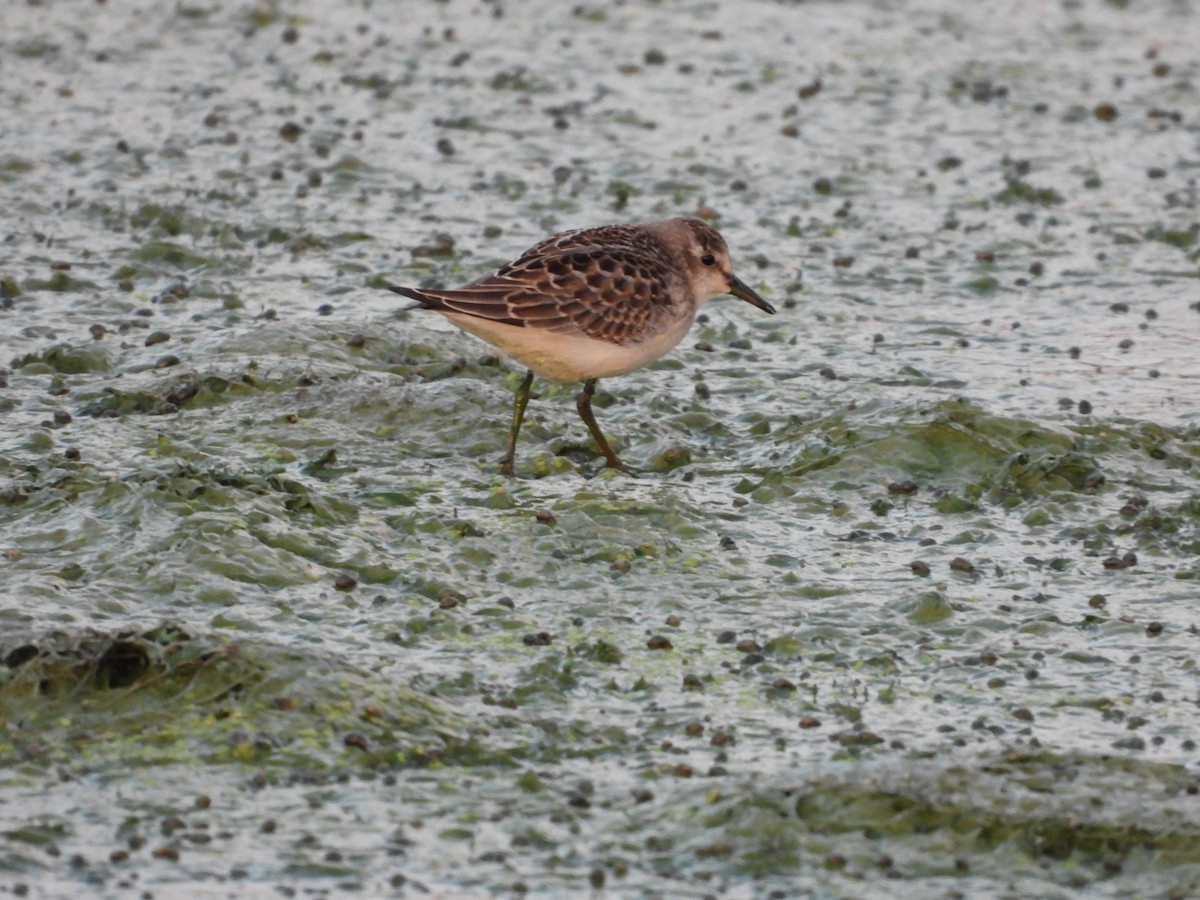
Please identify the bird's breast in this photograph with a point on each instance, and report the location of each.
(570, 356)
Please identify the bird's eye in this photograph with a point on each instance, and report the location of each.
(708, 259)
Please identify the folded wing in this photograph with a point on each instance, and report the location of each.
(606, 293)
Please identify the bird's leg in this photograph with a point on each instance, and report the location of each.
(583, 403)
(522, 400)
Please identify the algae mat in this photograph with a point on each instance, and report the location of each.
(903, 605)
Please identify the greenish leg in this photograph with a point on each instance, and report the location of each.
(583, 403)
(506, 465)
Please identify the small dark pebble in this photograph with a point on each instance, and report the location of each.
(1075, 352)
(445, 146)
(1119, 307)
(289, 131)
(537, 639)
(357, 341)
(1125, 343)
(809, 90)
(726, 637)
(157, 337)
(1122, 562)
(1105, 112)
(903, 487)
(325, 309)
(1154, 628)
(748, 645)
(960, 564)
(71, 453)
(97, 331)
(920, 568)
(1085, 407)
(828, 373)
(62, 417)
(345, 582)
(1155, 172)
(659, 642)
(728, 543)
(545, 517)
(450, 599)
(167, 361)
(823, 186)
(1097, 601)
(912, 253)
(1130, 743)
(355, 740)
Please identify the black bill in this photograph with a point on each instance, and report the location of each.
(740, 290)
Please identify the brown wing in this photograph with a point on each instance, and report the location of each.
(611, 293)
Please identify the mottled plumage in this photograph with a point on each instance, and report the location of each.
(592, 303)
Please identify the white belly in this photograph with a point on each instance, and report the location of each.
(571, 357)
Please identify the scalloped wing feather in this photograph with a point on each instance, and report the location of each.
(571, 283)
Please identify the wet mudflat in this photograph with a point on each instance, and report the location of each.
(904, 603)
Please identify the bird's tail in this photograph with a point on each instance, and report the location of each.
(423, 301)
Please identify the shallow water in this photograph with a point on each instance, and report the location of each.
(904, 604)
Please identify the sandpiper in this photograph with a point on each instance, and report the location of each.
(592, 303)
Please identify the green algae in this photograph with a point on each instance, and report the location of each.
(164, 697)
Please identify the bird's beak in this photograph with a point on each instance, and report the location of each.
(739, 289)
